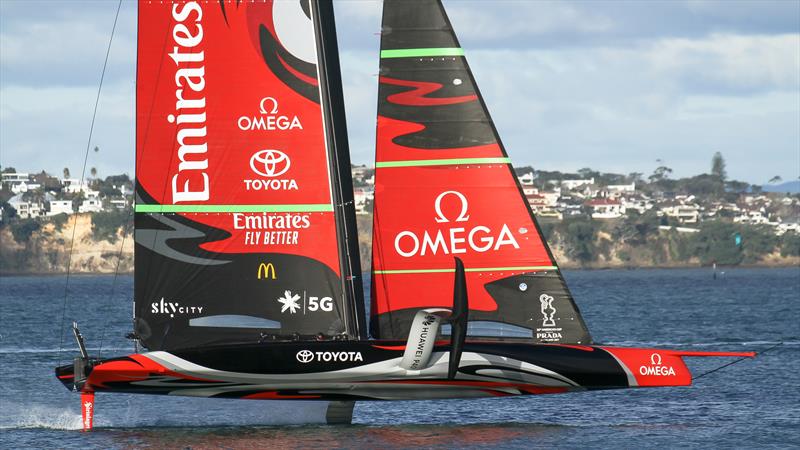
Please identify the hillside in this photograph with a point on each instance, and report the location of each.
(47, 249)
(623, 243)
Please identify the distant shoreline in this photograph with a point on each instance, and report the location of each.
(568, 268)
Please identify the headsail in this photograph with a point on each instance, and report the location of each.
(445, 187)
(238, 236)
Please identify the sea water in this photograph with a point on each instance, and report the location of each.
(753, 403)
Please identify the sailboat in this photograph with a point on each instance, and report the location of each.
(247, 277)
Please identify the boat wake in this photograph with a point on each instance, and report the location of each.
(17, 416)
(137, 414)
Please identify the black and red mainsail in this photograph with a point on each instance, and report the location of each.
(445, 188)
(242, 171)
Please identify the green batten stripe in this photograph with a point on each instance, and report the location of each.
(232, 208)
(422, 52)
(441, 162)
(474, 269)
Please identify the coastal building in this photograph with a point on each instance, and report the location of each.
(604, 208)
(573, 184)
(552, 214)
(537, 202)
(359, 171)
(25, 186)
(118, 203)
(90, 205)
(26, 209)
(785, 227)
(684, 213)
(526, 179)
(12, 179)
(752, 217)
(621, 188)
(639, 203)
(59, 207)
(74, 185)
(362, 198)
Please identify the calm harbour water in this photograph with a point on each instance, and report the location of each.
(753, 403)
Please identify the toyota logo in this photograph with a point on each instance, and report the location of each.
(305, 356)
(270, 163)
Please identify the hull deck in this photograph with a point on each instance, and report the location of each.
(370, 370)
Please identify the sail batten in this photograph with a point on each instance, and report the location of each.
(233, 208)
(421, 52)
(441, 162)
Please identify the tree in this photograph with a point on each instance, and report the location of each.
(66, 172)
(635, 177)
(718, 166)
(737, 186)
(93, 171)
(587, 173)
(790, 244)
(661, 173)
(23, 229)
(715, 243)
(580, 235)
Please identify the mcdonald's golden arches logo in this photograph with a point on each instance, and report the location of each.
(266, 271)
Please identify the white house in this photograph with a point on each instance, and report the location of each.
(24, 186)
(684, 213)
(620, 188)
(572, 184)
(25, 208)
(537, 202)
(639, 204)
(12, 179)
(603, 208)
(118, 203)
(74, 185)
(783, 227)
(90, 205)
(60, 207)
(526, 179)
(751, 217)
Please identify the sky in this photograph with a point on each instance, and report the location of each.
(618, 86)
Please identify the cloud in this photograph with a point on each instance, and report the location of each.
(48, 127)
(607, 84)
(64, 46)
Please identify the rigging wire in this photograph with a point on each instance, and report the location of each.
(737, 361)
(116, 275)
(83, 175)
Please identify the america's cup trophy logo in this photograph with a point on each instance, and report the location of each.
(548, 310)
(270, 163)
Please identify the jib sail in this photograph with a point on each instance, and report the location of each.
(445, 188)
(238, 236)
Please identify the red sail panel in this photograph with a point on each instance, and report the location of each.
(445, 188)
(233, 172)
(473, 212)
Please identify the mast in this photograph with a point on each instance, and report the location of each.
(336, 127)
